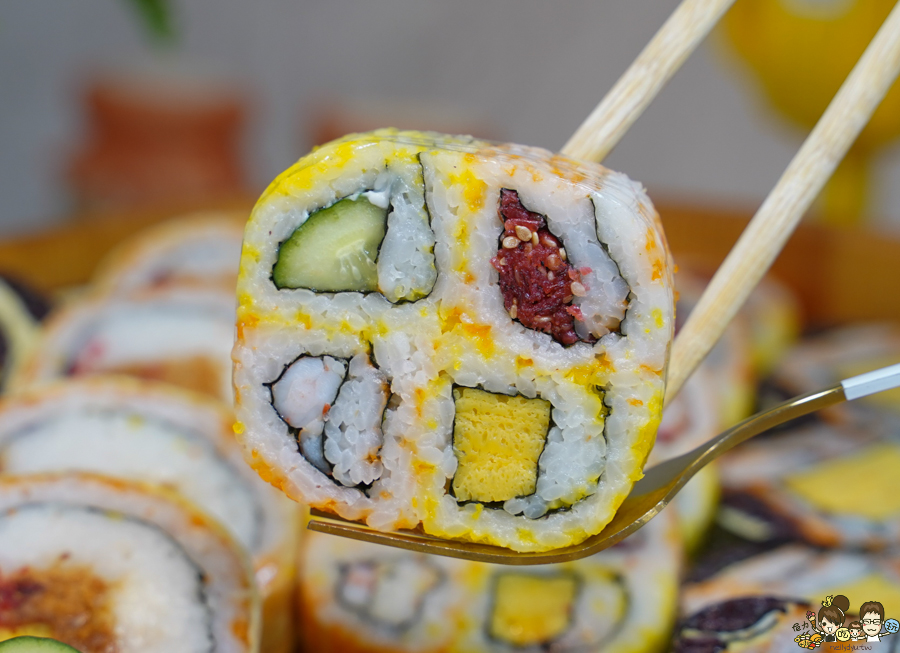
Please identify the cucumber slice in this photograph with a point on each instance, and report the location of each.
(28, 644)
(334, 250)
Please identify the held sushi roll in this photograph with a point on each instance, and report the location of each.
(408, 354)
(178, 335)
(441, 331)
(199, 249)
(106, 565)
(132, 429)
(362, 598)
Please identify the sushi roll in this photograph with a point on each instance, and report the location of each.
(180, 335)
(730, 361)
(773, 316)
(198, 249)
(831, 486)
(362, 598)
(622, 599)
(778, 584)
(692, 418)
(442, 331)
(132, 429)
(825, 359)
(21, 311)
(749, 624)
(105, 565)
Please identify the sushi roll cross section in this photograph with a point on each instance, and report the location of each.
(197, 249)
(179, 335)
(442, 332)
(139, 430)
(362, 598)
(105, 565)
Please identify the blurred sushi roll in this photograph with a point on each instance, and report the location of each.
(356, 597)
(751, 624)
(105, 565)
(831, 486)
(21, 311)
(198, 249)
(444, 331)
(692, 418)
(772, 314)
(623, 599)
(181, 336)
(730, 361)
(792, 574)
(831, 356)
(138, 430)
(361, 598)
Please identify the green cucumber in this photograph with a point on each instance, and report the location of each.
(28, 644)
(334, 250)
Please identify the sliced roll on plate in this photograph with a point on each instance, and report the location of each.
(441, 331)
(749, 624)
(105, 565)
(773, 315)
(362, 598)
(833, 486)
(178, 335)
(840, 353)
(132, 429)
(692, 418)
(21, 311)
(198, 249)
(730, 361)
(766, 594)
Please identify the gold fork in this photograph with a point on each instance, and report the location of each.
(648, 496)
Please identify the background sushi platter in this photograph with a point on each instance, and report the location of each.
(360, 597)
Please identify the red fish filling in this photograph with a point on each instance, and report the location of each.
(536, 280)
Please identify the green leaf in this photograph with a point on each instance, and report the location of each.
(157, 18)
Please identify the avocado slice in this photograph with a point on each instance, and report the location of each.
(28, 644)
(334, 250)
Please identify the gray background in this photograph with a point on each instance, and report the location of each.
(533, 69)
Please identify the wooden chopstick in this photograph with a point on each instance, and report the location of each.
(634, 91)
(779, 214)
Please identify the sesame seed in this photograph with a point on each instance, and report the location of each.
(548, 242)
(513, 311)
(553, 262)
(503, 261)
(510, 241)
(534, 238)
(524, 233)
(550, 275)
(562, 253)
(578, 289)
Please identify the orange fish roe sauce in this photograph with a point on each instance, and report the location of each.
(69, 601)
